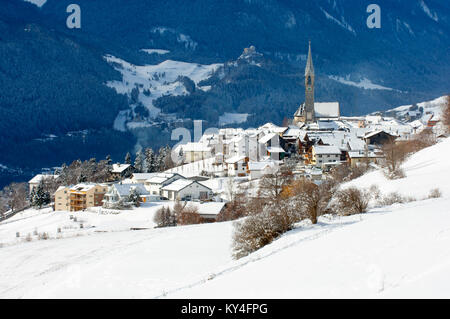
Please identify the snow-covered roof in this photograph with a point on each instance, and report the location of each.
(235, 159)
(84, 187)
(125, 189)
(119, 168)
(326, 109)
(267, 137)
(356, 144)
(275, 149)
(180, 184)
(319, 149)
(144, 176)
(39, 177)
(259, 166)
(208, 208)
(195, 147)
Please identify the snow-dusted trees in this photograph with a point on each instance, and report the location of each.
(134, 198)
(150, 161)
(164, 217)
(139, 162)
(188, 216)
(271, 186)
(128, 158)
(39, 196)
(446, 114)
(351, 201)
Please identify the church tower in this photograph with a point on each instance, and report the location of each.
(309, 89)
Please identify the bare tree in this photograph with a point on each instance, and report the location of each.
(271, 185)
(446, 114)
(18, 196)
(189, 216)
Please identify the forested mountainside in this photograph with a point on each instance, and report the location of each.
(53, 79)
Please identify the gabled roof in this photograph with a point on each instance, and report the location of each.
(267, 137)
(235, 159)
(39, 177)
(180, 184)
(125, 189)
(119, 168)
(326, 149)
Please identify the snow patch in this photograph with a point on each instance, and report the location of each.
(364, 83)
(38, 3)
(341, 23)
(156, 51)
(159, 80)
(427, 11)
(233, 118)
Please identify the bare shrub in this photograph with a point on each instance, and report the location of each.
(43, 236)
(446, 114)
(435, 193)
(374, 191)
(189, 216)
(164, 217)
(398, 173)
(344, 172)
(259, 230)
(271, 185)
(233, 210)
(351, 201)
(394, 198)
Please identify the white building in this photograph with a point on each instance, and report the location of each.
(237, 166)
(184, 189)
(325, 154)
(154, 184)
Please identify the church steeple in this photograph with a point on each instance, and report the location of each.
(309, 64)
(309, 89)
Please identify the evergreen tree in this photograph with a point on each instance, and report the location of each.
(134, 198)
(128, 158)
(150, 160)
(40, 196)
(139, 162)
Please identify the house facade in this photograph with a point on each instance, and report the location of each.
(184, 189)
(83, 196)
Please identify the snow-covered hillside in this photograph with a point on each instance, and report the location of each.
(425, 170)
(396, 251)
(161, 79)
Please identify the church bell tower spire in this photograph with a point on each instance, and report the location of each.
(309, 89)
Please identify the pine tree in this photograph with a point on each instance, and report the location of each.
(139, 162)
(128, 158)
(40, 196)
(134, 198)
(150, 161)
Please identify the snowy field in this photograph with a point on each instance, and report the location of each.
(398, 251)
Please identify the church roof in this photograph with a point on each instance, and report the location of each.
(322, 110)
(326, 109)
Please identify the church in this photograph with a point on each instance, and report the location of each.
(311, 111)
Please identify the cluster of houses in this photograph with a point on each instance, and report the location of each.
(317, 138)
(150, 187)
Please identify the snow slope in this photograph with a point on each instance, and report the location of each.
(400, 251)
(425, 170)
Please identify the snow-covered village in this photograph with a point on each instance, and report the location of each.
(346, 195)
